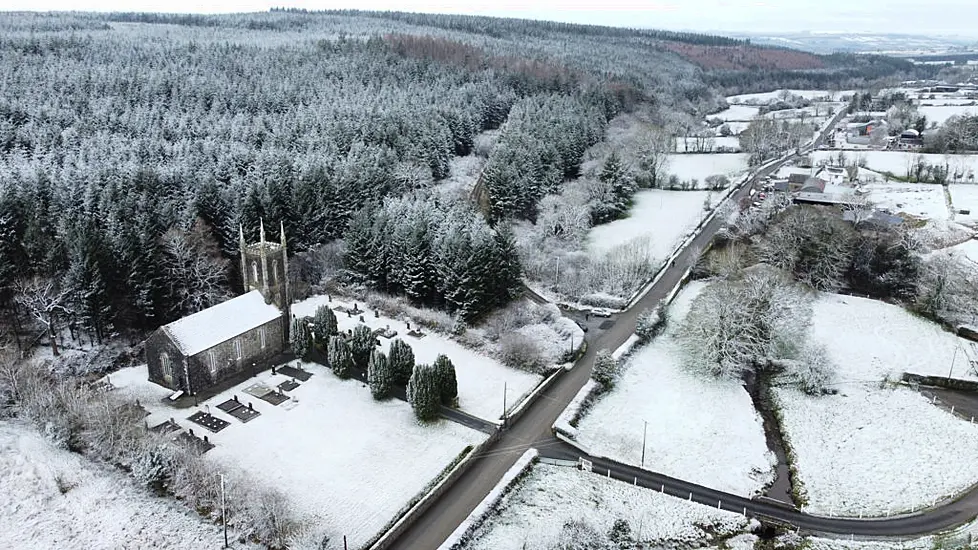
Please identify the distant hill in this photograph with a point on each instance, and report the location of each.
(826, 43)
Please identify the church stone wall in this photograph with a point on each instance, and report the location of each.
(222, 361)
(159, 345)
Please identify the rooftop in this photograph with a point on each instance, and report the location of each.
(208, 328)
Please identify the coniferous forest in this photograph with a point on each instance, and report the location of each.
(132, 146)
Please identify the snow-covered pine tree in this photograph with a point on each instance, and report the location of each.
(324, 324)
(379, 375)
(423, 392)
(299, 335)
(359, 238)
(362, 344)
(340, 358)
(401, 362)
(447, 381)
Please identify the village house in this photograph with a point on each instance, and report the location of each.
(232, 339)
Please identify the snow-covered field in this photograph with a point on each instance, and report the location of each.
(481, 379)
(767, 97)
(965, 197)
(701, 430)
(533, 513)
(703, 165)
(900, 163)
(662, 217)
(740, 113)
(924, 200)
(940, 113)
(52, 498)
(872, 449)
(729, 142)
(346, 463)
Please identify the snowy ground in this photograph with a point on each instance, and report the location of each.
(967, 251)
(767, 97)
(924, 200)
(940, 113)
(964, 196)
(729, 142)
(464, 174)
(100, 508)
(481, 379)
(700, 166)
(346, 462)
(532, 515)
(740, 113)
(871, 449)
(900, 163)
(662, 217)
(701, 430)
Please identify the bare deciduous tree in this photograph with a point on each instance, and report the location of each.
(947, 289)
(736, 326)
(196, 270)
(653, 157)
(46, 301)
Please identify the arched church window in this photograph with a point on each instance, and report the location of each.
(166, 367)
(275, 273)
(254, 272)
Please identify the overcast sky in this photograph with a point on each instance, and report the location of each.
(901, 16)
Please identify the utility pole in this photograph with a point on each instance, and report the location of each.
(224, 513)
(953, 357)
(645, 432)
(504, 402)
(557, 274)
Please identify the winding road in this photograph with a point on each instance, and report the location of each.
(533, 429)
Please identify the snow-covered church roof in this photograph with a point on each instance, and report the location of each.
(208, 328)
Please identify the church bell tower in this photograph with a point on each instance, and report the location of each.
(265, 268)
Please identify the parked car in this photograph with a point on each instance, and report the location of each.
(601, 312)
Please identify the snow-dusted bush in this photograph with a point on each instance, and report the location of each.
(299, 336)
(606, 369)
(398, 307)
(447, 381)
(518, 315)
(650, 323)
(339, 357)
(379, 375)
(519, 351)
(424, 393)
(610, 277)
(580, 535)
(401, 361)
(738, 325)
(362, 344)
(324, 323)
(815, 369)
(268, 517)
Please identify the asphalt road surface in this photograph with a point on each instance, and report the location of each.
(533, 429)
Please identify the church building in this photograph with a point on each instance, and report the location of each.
(233, 338)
